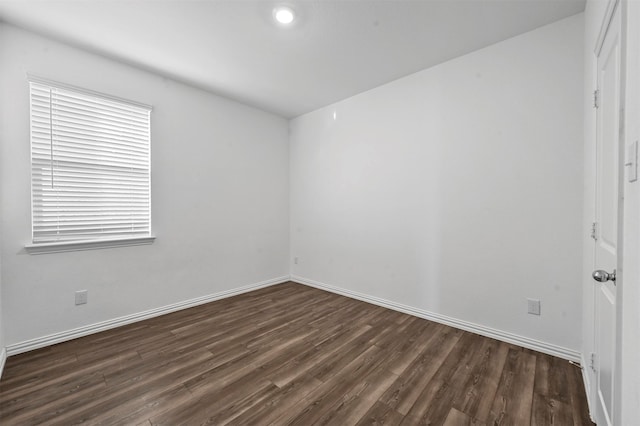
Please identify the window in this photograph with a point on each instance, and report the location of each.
(90, 168)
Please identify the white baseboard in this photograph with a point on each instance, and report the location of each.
(504, 336)
(63, 336)
(3, 360)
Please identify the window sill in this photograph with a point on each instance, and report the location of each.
(43, 248)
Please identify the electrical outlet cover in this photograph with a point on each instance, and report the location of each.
(81, 297)
(533, 306)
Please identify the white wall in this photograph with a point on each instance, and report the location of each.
(456, 190)
(219, 197)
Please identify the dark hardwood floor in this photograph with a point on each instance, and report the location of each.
(289, 354)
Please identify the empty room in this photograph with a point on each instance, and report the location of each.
(338, 212)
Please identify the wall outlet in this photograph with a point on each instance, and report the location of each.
(81, 297)
(295, 260)
(533, 306)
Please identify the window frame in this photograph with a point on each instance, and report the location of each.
(89, 243)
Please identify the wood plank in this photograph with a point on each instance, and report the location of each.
(143, 370)
(547, 411)
(414, 342)
(324, 350)
(579, 405)
(403, 394)
(332, 366)
(514, 397)
(263, 361)
(381, 414)
(447, 385)
(551, 397)
(358, 400)
(458, 418)
(35, 370)
(143, 407)
(320, 400)
(282, 402)
(482, 384)
(202, 410)
(49, 398)
(60, 378)
(109, 399)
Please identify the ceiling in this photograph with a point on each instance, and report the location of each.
(334, 50)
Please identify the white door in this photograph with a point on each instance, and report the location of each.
(607, 207)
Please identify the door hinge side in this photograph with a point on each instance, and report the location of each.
(596, 103)
(594, 231)
(592, 361)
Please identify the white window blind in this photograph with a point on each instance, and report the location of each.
(90, 166)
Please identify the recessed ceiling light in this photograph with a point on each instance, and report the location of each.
(284, 15)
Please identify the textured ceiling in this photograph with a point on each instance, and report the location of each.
(334, 50)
